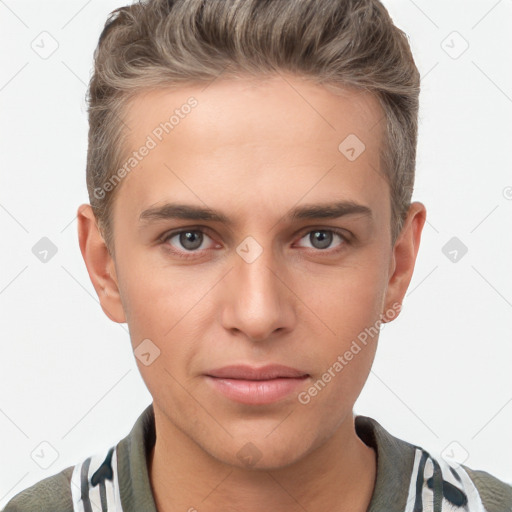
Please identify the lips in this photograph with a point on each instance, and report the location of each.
(271, 371)
(256, 386)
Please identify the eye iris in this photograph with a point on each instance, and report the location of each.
(324, 237)
(191, 239)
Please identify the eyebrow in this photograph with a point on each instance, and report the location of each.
(331, 210)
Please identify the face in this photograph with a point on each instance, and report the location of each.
(293, 263)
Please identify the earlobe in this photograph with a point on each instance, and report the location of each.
(403, 259)
(100, 264)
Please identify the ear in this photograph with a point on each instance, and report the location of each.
(100, 264)
(403, 259)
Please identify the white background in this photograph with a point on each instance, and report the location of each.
(442, 371)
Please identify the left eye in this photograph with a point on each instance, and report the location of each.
(322, 238)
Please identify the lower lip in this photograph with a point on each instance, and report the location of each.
(256, 392)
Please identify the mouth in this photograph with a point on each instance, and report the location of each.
(256, 386)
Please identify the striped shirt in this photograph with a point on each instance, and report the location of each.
(408, 479)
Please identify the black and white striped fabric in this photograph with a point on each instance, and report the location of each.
(440, 487)
(94, 484)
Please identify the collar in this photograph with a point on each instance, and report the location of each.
(395, 460)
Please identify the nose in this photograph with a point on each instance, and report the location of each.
(257, 301)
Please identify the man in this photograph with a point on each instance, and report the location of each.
(250, 172)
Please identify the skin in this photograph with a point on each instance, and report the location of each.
(254, 149)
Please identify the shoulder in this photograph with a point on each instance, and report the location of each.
(52, 494)
(415, 479)
(456, 486)
(495, 494)
(79, 487)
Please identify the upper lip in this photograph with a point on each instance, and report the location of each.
(246, 372)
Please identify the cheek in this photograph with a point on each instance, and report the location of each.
(343, 366)
(347, 299)
(157, 296)
(348, 306)
(165, 306)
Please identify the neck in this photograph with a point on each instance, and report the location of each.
(339, 475)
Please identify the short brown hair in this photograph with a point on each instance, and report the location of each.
(168, 43)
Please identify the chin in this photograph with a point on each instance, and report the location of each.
(262, 454)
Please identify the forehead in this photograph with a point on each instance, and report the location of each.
(259, 106)
(249, 136)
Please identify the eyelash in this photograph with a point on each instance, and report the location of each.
(193, 254)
